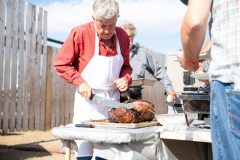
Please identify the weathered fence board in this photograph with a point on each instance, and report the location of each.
(27, 62)
(49, 98)
(44, 74)
(56, 96)
(2, 42)
(13, 76)
(7, 67)
(38, 75)
(21, 57)
(69, 103)
(32, 69)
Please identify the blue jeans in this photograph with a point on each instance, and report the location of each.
(225, 121)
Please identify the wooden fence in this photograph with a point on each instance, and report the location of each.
(60, 96)
(29, 90)
(32, 96)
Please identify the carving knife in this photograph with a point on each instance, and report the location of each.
(110, 103)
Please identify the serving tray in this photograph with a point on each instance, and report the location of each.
(107, 124)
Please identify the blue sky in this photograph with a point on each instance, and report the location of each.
(157, 21)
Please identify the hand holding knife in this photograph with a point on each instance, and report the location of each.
(85, 90)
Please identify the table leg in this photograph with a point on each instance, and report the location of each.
(68, 150)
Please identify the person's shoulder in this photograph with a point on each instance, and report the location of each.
(141, 47)
(144, 50)
(83, 27)
(121, 32)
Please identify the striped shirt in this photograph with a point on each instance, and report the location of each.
(78, 49)
(225, 38)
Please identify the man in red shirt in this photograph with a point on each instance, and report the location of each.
(95, 58)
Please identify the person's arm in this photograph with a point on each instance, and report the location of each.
(125, 78)
(126, 69)
(193, 32)
(204, 63)
(66, 59)
(206, 48)
(159, 73)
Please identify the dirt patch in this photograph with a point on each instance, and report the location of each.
(31, 146)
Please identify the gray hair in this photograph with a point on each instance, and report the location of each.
(128, 25)
(105, 9)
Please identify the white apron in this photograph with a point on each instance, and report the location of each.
(100, 73)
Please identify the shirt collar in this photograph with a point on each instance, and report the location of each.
(113, 39)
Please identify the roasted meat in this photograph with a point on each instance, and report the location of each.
(142, 112)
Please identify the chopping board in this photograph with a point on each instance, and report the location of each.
(107, 124)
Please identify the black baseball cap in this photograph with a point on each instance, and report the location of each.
(184, 2)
